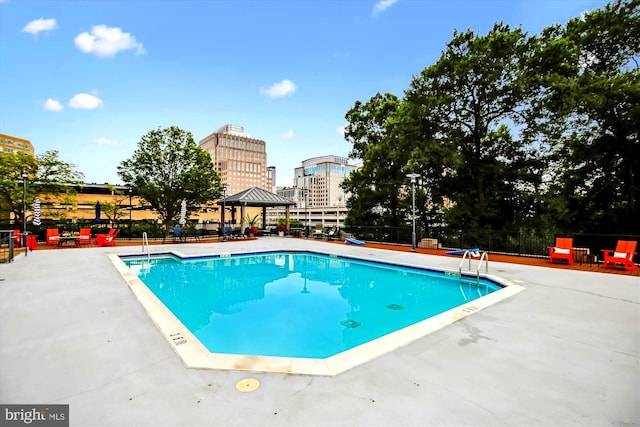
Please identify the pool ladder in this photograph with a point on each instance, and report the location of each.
(468, 254)
(145, 244)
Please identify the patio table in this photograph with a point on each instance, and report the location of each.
(65, 239)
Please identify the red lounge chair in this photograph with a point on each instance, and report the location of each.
(84, 238)
(622, 256)
(562, 250)
(17, 239)
(108, 239)
(53, 236)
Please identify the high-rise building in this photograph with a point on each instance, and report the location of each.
(317, 192)
(271, 178)
(321, 178)
(13, 144)
(240, 159)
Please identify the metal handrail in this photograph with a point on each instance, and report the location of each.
(462, 261)
(145, 243)
(485, 257)
(468, 254)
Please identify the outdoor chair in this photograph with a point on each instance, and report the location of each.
(332, 233)
(84, 238)
(622, 256)
(319, 233)
(563, 250)
(199, 233)
(53, 236)
(17, 239)
(179, 234)
(228, 232)
(108, 239)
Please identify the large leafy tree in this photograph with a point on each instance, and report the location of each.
(48, 177)
(589, 111)
(459, 113)
(168, 167)
(376, 188)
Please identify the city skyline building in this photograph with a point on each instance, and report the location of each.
(317, 191)
(320, 179)
(13, 144)
(239, 159)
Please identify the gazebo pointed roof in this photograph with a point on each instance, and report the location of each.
(256, 196)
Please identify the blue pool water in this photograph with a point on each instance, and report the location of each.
(298, 304)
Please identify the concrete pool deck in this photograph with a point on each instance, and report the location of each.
(565, 351)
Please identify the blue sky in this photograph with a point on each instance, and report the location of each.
(89, 78)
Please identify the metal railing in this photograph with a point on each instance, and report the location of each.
(520, 243)
(7, 251)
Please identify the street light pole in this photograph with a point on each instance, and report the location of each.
(224, 196)
(24, 211)
(306, 213)
(130, 209)
(413, 177)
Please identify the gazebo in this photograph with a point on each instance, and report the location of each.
(254, 197)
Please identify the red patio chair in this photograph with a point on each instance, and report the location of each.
(84, 238)
(562, 250)
(622, 256)
(108, 239)
(53, 236)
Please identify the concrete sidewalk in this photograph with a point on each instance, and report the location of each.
(563, 352)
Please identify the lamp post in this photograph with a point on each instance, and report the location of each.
(24, 210)
(224, 196)
(306, 212)
(130, 209)
(413, 177)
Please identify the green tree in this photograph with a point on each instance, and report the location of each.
(460, 114)
(113, 211)
(48, 177)
(377, 188)
(589, 111)
(168, 167)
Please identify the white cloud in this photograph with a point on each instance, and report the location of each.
(280, 89)
(106, 141)
(39, 25)
(383, 5)
(106, 42)
(84, 101)
(288, 134)
(341, 130)
(52, 105)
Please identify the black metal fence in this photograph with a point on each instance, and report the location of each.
(135, 229)
(6, 246)
(520, 243)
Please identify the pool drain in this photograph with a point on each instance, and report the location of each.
(350, 323)
(247, 385)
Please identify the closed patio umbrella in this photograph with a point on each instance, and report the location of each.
(36, 213)
(183, 213)
(98, 209)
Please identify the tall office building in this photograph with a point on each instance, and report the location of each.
(271, 178)
(13, 144)
(316, 191)
(240, 159)
(321, 178)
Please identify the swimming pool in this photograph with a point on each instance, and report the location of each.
(288, 309)
(298, 304)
